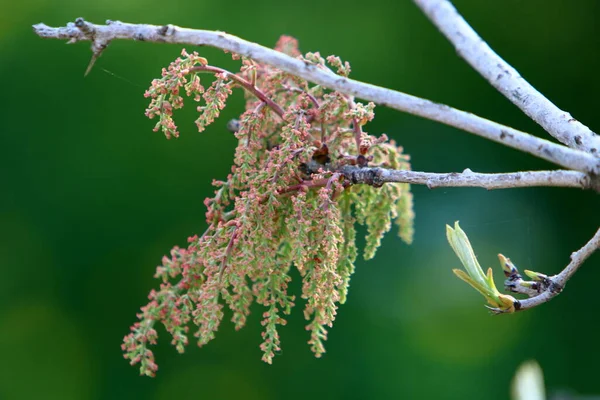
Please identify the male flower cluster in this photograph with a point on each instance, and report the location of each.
(284, 205)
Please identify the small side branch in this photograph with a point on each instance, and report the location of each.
(501, 75)
(577, 259)
(101, 35)
(378, 176)
(556, 284)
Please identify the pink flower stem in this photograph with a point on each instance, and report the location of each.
(243, 83)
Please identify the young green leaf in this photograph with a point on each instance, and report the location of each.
(474, 276)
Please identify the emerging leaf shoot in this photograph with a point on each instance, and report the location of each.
(474, 275)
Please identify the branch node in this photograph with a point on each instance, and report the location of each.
(85, 27)
(166, 30)
(517, 305)
(554, 287)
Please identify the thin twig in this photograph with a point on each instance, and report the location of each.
(558, 282)
(507, 80)
(101, 35)
(577, 259)
(375, 176)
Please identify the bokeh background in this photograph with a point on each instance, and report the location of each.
(91, 199)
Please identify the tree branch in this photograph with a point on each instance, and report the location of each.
(378, 176)
(577, 259)
(550, 287)
(471, 47)
(101, 35)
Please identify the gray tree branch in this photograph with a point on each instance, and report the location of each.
(555, 284)
(377, 176)
(102, 35)
(580, 158)
(507, 80)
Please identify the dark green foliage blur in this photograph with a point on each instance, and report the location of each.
(92, 199)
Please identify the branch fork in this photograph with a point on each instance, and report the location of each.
(101, 35)
(580, 154)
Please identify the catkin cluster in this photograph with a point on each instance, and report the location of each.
(284, 205)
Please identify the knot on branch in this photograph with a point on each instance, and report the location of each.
(166, 30)
(85, 26)
(554, 287)
(87, 31)
(372, 176)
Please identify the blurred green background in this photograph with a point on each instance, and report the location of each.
(92, 199)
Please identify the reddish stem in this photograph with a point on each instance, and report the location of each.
(312, 98)
(227, 253)
(242, 82)
(305, 185)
